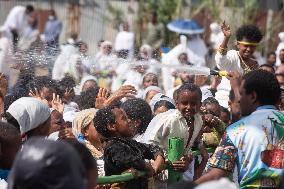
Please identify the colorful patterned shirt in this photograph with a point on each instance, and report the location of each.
(255, 144)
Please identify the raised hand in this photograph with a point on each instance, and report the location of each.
(35, 93)
(101, 98)
(124, 91)
(57, 103)
(226, 29)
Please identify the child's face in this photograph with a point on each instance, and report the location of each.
(188, 103)
(122, 127)
(246, 51)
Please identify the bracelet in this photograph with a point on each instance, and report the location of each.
(222, 51)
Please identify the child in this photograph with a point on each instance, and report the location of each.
(122, 153)
(184, 122)
(162, 106)
(248, 37)
(214, 127)
(242, 61)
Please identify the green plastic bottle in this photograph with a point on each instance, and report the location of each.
(175, 152)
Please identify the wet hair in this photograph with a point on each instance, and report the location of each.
(138, 109)
(210, 100)
(87, 159)
(103, 118)
(65, 83)
(264, 84)
(164, 103)
(8, 133)
(249, 32)
(268, 66)
(43, 81)
(87, 99)
(270, 53)
(29, 9)
(187, 87)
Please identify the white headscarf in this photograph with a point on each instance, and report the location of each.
(159, 97)
(29, 113)
(151, 88)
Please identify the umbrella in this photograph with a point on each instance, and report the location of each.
(185, 26)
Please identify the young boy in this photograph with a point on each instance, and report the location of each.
(248, 37)
(122, 153)
(184, 122)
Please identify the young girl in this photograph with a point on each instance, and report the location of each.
(121, 153)
(184, 122)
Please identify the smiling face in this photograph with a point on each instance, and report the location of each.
(246, 51)
(188, 103)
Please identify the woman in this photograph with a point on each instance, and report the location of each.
(84, 130)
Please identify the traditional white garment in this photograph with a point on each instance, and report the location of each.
(172, 59)
(171, 124)
(198, 47)
(62, 60)
(158, 97)
(216, 36)
(71, 67)
(133, 78)
(17, 19)
(229, 62)
(125, 41)
(279, 47)
(6, 56)
(151, 88)
(29, 35)
(29, 113)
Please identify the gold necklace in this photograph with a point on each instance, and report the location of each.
(244, 65)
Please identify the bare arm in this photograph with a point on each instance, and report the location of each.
(213, 174)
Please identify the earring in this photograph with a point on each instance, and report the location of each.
(81, 137)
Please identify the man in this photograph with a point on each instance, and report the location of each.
(17, 21)
(52, 30)
(254, 143)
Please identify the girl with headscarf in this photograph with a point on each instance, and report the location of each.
(84, 130)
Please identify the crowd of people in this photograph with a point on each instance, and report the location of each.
(115, 112)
